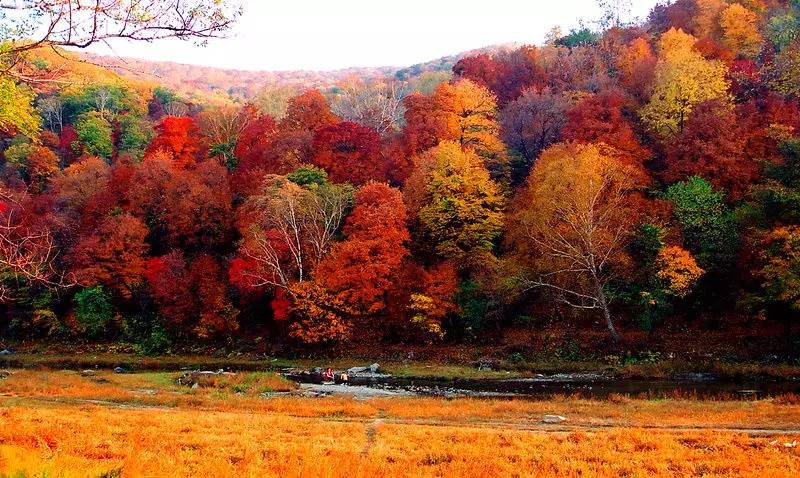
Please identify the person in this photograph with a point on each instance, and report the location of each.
(327, 376)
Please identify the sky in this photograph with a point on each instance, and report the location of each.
(332, 34)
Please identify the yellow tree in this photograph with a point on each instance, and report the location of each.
(740, 30)
(683, 79)
(16, 110)
(458, 205)
(571, 225)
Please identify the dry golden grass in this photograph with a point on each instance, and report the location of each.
(59, 424)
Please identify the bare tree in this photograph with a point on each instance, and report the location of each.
(176, 108)
(615, 13)
(80, 23)
(52, 110)
(293, 230)
(378, 106)
(102, 100)
(224, 124)
(27, 253)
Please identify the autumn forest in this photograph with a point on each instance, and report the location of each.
(629, 181)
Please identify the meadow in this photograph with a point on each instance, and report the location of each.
(65, 424)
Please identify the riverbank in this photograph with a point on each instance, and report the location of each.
(651, 369)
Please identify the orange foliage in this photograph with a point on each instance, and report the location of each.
(365, 266)
(114, 255)
(678, 269)
(308, 112)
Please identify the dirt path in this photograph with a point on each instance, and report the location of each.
(371, 432)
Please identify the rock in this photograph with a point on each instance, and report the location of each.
(553, 419)
(201, 378)
(792, 444)
(6, 352)
(486, 363)
(4, 374)
(88, 373)
(119, 370)
(696, 377)
(374, 368)
(354, 370)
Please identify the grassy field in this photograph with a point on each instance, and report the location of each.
(63, 424)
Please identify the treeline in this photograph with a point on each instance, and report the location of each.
(637, 175)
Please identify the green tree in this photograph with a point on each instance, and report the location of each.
(135, 134)
(708, 224)
(96, 135)
(94, 311)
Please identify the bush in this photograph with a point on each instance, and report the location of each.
(147, 334)
(93, 311)
(158, 342)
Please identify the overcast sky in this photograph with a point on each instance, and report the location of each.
(330, 34)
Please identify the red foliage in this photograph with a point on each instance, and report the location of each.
(745, 79)
(506, 76)
(69, 144)
(254, 140)
(191, 298)
(180, 138)
(425, 126)
(599, 119)
(481, 69)
(284, 153)
(712, 146)
(240, 274)
(349, 152)
(280, 305)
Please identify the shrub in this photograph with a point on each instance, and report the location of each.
(93, 311)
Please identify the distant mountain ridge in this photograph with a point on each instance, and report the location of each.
(198, 80)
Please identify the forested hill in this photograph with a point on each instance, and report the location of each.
(243, 85)
(627, 185)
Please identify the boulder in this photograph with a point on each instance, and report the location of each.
(6, 352)
(374, 368)
(355, 370)
(4, 374)
(553, 419)
(88, 373)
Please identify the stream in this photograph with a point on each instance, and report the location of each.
(588, 385)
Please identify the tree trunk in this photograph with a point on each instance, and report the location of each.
(601, 298)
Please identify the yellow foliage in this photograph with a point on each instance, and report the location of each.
(740, 30)
(683, 79)
(458, 204)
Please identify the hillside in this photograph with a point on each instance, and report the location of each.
(200, 81)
